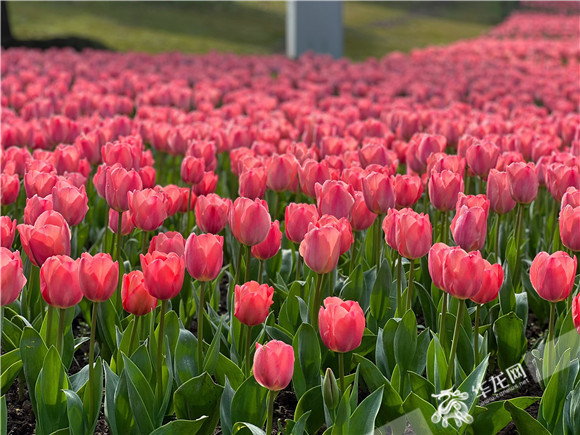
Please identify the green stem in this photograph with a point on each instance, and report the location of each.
(410, 288)
(496, 246)
(248, 349)
(341, 370)
(445, 227)
(248, 261)
(200, 311)
(271, 398)
(144, 242)
(298, 266)
(189, 212)
(443, 316)
(316, 300)
(91, 361)
(49, 321)
(476, 335)
(61, 313)
(118, 303)
(550, 343)
(239, 265)
(519, 222)
(106, 236)
(399, 286)
(353, 254)
(458, 320)
(378, 242)
(260, 270)
(133, 335)
(160, 341)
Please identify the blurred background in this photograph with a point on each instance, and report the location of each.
(370, 28)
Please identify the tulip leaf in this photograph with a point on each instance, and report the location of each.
(307, 363)
(311, 402)
(363, 417)
(525, 423)
(77, 419)
(9, 373)
(429, 311)
(211, 357)
(181, 427)
(111, 382)
(249, 403)
(185, 357)
(472, 383)
(226, 368)
(405, 343)
(511, 340)
(419, 413)
(106, 322)
(197, 397)
(11, 335)
(141, 397)
(3, 416)
(421, 387)
(342, 419)
(276, 332)
(33, 351)
(226, 408)
(244, 428)
(436, 364)
(572, 411)
(297, 427)
(381, 301)
(495, 417)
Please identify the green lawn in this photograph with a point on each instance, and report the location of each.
(371, 28)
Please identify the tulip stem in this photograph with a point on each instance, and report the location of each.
(200, 311)
(144, 242)
(248, 349)
(271, 398)
(519, 223)
(316, 300)
(276, 205)
(260, 270)
(445, 227)
(118, 303)
(61, 313)
(378, 242)
(133, 335)
(458, 320)
(239, 265)
(476, 335)
(188, 229)
(550, 343)
(91, 361)
(160, 341)
(106, 235)
(399, 286)
(49, 320)
(442, 330)
(410, 288)
(341, 370)
(353, 254)
(298, 266)
(248, 260)
(496, 247)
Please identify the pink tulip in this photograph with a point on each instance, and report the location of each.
(163, 274)
(335, 198)
(320, 248)
(119, 182)
(250, 221)
(98, 276)
(490, 283)
(569, 222)
(7, 231)
(341, 324)
(59, 281)
(482, 157)
(269, 247)
(362, 218)
(414, 234)
(204, 256)
(147, 209)
(211, 213)
(408, 189)
(136, 299)
(253, 302)
(500, 198)
(9, 188)
(469, 228)
(50, 235)
(552, 276)
(297, 219)
(282, 171)
(274, 365)
(171, 241)
(11, 276)
(437, 255)
(378, 192)
(70, 202)
(253, 183)
(523, 182)
(127, 225)
(463, 273)
(444, 187)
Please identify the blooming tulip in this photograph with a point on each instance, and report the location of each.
(320, 248)
(482, 157)
(35, 206)
(569, 222)
(437, 255)
(119, 182)
(463, 273)
(7, 231)
(342, 324)
(408, 190)
(204, 256)
(9, 188)
(171, 241)
(523, 182)
(571, 197)
(211, 213)
(274, 365)
(414, 234)
(253, 183)
(59, 281)
(127, 225)
(250, 221)
(192, 169)
(38, 183)
(362, 218)
(576, 312)
(147, 209)
(378, 192)
(11, 276)
(490, 283)
(163, 274)
(335, 198)
(70, 202)
(136, 299)
(50, 235)
(271, 245)
(252, 302)
(98, 276)
(310, 173)
(552, 276)
(469, 228)
(344, 228)
(500, 198)
(473, 201)
(298, 218)
(444, 187)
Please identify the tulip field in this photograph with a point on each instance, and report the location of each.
(218, 243)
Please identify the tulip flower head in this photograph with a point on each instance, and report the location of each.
(252, 302)
(341, 324)
(98, 276)
(552, 276)
(274, 365)
(12, 278)
(59, 281)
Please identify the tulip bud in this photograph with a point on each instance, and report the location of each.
(552, 276)
(344, 228)
(250, 221)
(7, 231)
(35, 206)
(136, 299)
(98, 276)
(269, 247)
(211, 213)
(163, 274)
(297, 219)
(204, 256)
(207, 185)
(252, 302)
(576, 312)
(59, 281)
(11, 276)
(341, 324)
(482, 157)
(330, 391)
(274, 365)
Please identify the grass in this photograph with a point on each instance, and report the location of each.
(371, 28)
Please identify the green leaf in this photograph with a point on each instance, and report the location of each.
(211, 357)
(511, 340)
(185, 357)
(419, 413)
(496, 417)
(342, 420)
(572, 411)
(226, 368)
(249, 403)
(77, 419)
(405, 343)
(307, 362)
(198, 397)
(525, 423)
(422, 387)
(363, 417)
(311, 401)
(471, 384)
(51, 401)
(9, 373)
(33, 351)
(243, 427)
(97, 393)
(181, 427)
(226, 407)
(141, 397)
(298, 427)
(436, 364)
(111, 382)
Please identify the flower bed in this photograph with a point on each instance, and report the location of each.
(184, 237)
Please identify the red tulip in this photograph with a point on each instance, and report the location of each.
(282, 172)
(211, 213)
(391, 227)
(482, 157)
(12, 278)
(473, 201)
(163, 274)
(414, 234)
(560, 178)
(490, 283)
(552, 276)
(408, 189)
(500, 198)
(70, 202)
(274, 365)
(35, 206)
(7, 231)
(576, 312)
(297, 219)
(252, 302)
(173, 198)
(192, 169)
(50, 235)
(9, 188)
(127, 225)
(376, 153)
(310, 173)
(437, 255)
(119, 182)
(378, 192)
(185, 204)
(341, 324)
(148, 174)
(250, 221)
(38, 183)
(320, 248)
(207, 184)
(269, 247)
(127, 155)
(98, 276)
(523, 182)
(204, 256)
(362, 218)
(570, 227)
(463, 273)
(571, 197)
(171, 241)
(335, 198)
(344, 228)
(59, 281)
(136, 299)
(253, 183)
(66, 158)
(444, 187)
(147, 209)
(469, 228)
